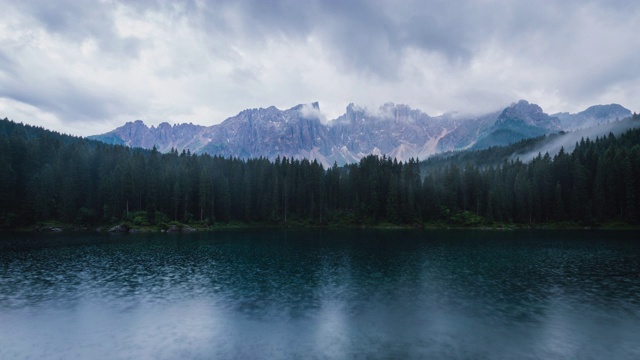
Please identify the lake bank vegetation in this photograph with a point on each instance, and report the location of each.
(49, 180)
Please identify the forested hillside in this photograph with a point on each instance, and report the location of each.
(48, 176)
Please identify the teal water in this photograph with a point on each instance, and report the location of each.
(321, 294)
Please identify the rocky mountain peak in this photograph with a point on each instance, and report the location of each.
(528, 114)
(137, 124)
(522, 109)
(353, 114)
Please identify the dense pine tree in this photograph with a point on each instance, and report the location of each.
(48, 176)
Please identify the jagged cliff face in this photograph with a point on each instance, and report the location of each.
(164, 137)
(268, 133)
(394, 130)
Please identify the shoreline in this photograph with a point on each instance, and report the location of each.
(125, 228)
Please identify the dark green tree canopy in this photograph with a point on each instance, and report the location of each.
(48, 176)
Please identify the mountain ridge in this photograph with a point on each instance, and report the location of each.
(395, 130)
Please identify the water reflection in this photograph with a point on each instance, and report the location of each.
(332, 294)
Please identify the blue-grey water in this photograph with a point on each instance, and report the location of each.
(321, 294)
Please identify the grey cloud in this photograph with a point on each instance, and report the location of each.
(69, 101)
(85, 104)
(56, 94)
(363, 36)
(77, 21)
(7, 65)
(365, 41)
(623, 70)
(60, 96)
(371, 36)
(360, 35)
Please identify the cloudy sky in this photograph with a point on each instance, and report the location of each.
(86, 67)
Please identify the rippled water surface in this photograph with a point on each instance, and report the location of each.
(321, 294)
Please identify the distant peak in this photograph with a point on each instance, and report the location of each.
(524, 106)
(528, 114)
(353, 108)
(606, 111)
(612, 107)
(133, 124)
(393, 106)
(314, 105)
(311, 111)
(521, 104)
(387, 105)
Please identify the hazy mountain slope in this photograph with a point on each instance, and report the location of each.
(568, 140)
(527, 149)
(592, 116)
(519, 121)
(467, 133)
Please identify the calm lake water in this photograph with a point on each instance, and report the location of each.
(321, 294)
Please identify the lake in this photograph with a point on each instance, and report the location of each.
(321, 293)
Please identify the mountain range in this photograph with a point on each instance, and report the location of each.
(397, 131)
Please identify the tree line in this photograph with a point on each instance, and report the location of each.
(48, 176)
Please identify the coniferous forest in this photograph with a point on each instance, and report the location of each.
(46, 176)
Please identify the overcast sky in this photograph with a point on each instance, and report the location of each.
(86, 67)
